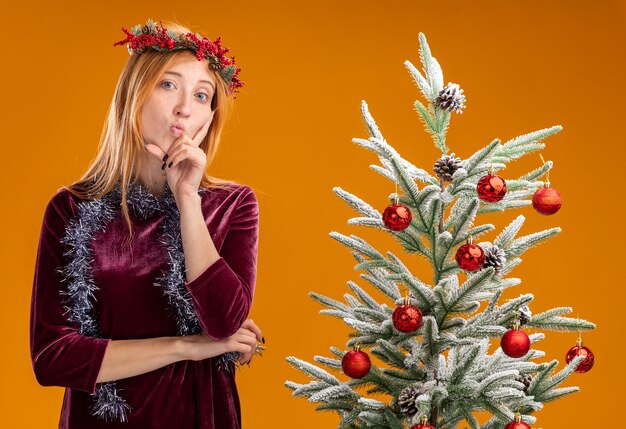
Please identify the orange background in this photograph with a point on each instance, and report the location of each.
(524, 65)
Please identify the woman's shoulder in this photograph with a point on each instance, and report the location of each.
(60, 209)
(63, 201)
(229, 193)
(233, 203)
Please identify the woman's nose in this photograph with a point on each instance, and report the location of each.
(183, 107)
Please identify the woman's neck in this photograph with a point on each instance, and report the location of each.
(151, 176)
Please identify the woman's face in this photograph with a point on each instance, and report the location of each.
(180, 102)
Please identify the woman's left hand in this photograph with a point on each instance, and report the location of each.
(185, 163)
(254, 331)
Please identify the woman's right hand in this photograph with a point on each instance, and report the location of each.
(201, 346)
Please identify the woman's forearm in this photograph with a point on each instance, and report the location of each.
(127, 358)
(198, 246)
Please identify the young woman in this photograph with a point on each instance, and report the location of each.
(146, 267)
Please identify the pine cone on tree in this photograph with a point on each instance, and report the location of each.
(524, 315)
(406, 400)
(494, 257)
(451, 98)
(446, 166)
(525, 380)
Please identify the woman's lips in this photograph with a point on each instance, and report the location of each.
(176, 131)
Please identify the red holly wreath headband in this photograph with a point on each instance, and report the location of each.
(161, 39)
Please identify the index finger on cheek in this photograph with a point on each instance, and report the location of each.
(201, 132)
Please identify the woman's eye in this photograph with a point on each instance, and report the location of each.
(167, 83)
(202, 96)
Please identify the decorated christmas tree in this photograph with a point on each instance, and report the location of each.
(436, 365)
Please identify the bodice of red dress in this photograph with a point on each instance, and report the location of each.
(129, 305)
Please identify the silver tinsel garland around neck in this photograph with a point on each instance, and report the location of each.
(94, 216)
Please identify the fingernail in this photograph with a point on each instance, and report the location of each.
(165, 157)
(163, 166)
(171, 164)
(263, 340)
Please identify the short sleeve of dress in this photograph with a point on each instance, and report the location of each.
(222, 294)
(60, 355)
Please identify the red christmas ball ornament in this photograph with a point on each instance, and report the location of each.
(491, 188)
(423, 424)
(517, 423)
(407, 318)
(580, 350)
(397, 217)
(515, 343)
(356, 363)
(547, 200)
(470, 257)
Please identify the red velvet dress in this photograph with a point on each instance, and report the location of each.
(185, 394)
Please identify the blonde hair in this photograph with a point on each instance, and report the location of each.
(121, 141)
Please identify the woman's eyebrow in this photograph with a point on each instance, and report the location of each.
(202, 81)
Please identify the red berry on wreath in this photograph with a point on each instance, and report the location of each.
(407, 318)
(356, 363)
(580, 350)
(517, 423)
(470, 257)
(547, 200)
(491, 188)
(397, 217)
(515, 343)
(423, 424)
